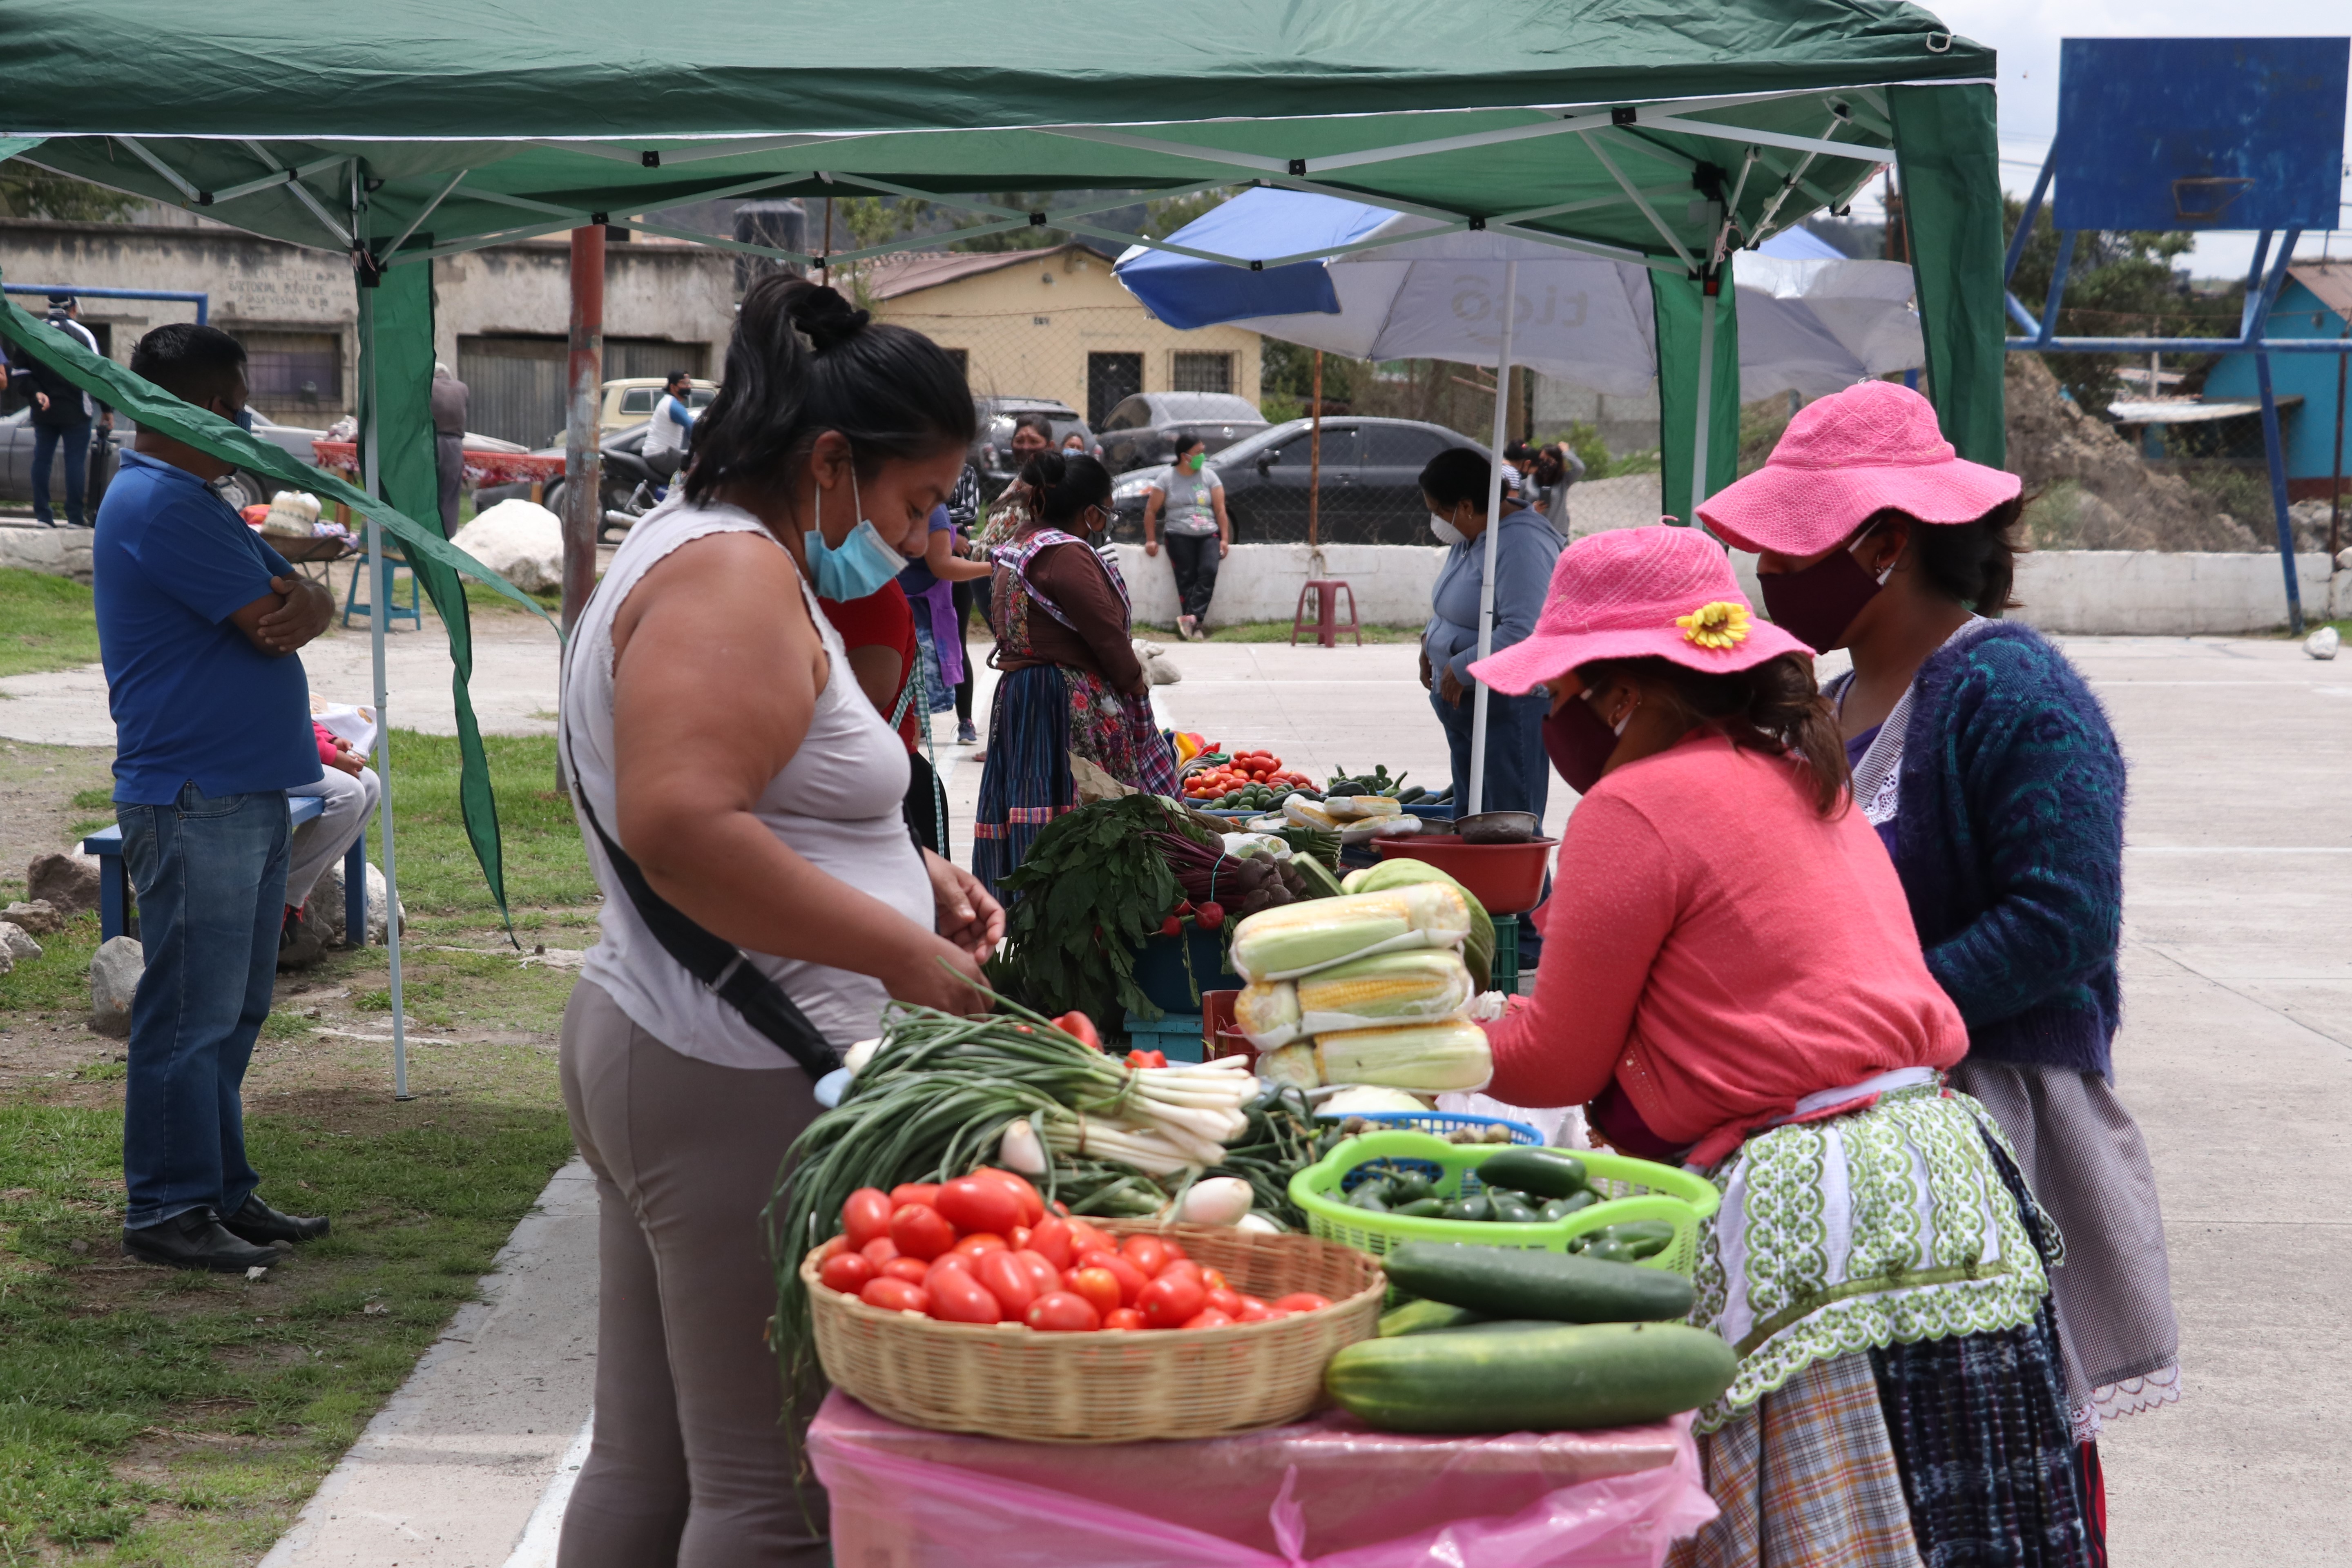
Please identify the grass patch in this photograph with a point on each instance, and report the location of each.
(58, 981)
(1279, 631)
(148, 1417)
(546, 865)
(481, 598)
(49, 623)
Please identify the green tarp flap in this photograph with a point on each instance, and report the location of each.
(395, 386)
(12, 145)
(1677, 304)
(1952, 201)
(151, 407)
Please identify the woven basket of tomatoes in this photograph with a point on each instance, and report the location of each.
(1064, 1331)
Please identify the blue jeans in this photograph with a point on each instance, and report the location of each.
(45, 440)
(1519, 774)
(210, 875)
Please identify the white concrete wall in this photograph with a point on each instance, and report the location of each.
(1391, 583)
(2141, 592)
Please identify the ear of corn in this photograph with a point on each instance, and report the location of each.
(1291, 1064)
(1306, 812)
(1402, 870)
(1291, 939)
(1267, 1012)
(1416, 986)
(1430, 1058)
(1360, 808)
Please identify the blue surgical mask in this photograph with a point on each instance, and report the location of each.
(860, 564)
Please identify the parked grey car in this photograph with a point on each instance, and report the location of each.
(1141, 430)
(1369, 490)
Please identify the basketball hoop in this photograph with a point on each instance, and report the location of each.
(2207, 197)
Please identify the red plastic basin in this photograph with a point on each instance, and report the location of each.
(1507, 878)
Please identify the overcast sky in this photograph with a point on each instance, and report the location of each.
(2026, 33)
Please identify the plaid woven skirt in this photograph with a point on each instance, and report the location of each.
(1026, 781)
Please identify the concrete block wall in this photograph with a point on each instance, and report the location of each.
(2141, 592)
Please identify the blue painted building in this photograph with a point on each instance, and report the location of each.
(2314, 302)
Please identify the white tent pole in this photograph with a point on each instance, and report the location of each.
(1702, 422)
(1494, 527)
(379, 608)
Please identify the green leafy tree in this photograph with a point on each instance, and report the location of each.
(26, 191)
(2119, 284)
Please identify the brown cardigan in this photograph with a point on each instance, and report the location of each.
(1074, 577)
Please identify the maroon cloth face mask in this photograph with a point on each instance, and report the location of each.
(1817, 605)
(1579, 744)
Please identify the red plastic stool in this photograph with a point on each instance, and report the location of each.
(1326, 592)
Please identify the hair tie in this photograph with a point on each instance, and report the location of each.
(824, 320)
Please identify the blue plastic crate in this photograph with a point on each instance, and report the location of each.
(1160, 972)
(1506, 978)
(1436, 1122)
(1178, 1035)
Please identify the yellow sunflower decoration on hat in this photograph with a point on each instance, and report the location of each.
(1720, 625)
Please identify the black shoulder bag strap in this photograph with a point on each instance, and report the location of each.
(719, 963)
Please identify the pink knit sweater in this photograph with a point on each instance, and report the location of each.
(1721, 951)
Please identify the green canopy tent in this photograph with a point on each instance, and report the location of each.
(1638, 129)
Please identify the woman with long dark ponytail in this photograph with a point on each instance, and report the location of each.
(1734, 985)
(1991, 775)
(1072, 682)
(740, 797)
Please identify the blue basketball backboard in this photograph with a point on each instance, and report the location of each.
(2199, 134)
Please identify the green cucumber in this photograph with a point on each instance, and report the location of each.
(1476, 1209)
(1545, 1173)
(1608, 1249)
(1320, 883)
(1372, 1196)
(1426, 1317)
(1511, 1211)
(1505, 1377)
(1504, 1282)
(1560, 1208)
(1422, 1208)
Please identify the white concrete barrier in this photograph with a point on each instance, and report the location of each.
(55, 552)
(2149, 593)
(1391, 583)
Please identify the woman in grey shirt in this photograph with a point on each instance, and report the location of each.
(1192, 503)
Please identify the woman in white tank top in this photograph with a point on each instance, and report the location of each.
(717, 732)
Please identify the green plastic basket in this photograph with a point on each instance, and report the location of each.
(1631, 1189)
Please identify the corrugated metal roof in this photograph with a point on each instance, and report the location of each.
(2187, 410)
(2331, 281)
(911, 271)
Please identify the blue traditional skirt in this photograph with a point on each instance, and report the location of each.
(1026, 783)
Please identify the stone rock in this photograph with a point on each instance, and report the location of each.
(115, 971)
(324, 912)
(17, 941)
(39, 917)
(7, 962)
(2052, 442)
(2323, 643)
(68, 880)
(519, 540)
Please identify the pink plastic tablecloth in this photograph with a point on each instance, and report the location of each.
(1327, 1492)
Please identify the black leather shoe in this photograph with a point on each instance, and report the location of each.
(257, 1223)
(196, 1241)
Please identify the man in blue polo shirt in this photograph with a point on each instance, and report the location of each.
(197, 624)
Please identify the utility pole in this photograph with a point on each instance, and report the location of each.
(583, 457)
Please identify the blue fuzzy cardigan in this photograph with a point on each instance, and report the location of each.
(2009, 836)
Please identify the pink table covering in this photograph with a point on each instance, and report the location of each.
(481, 467)
(1325, 1493)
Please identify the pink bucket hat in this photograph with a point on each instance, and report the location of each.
(1872, 447)
(1632, 592)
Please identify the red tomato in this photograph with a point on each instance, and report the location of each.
(1301, 1301)
(1124, 1317)
(1033, 1205)
(913, 1270)
(1041, 1269)
(1099, 1287)
(958, 1297)
(1081, 1028)
(1008, 1279)
(907, 1193)
(832, 1249)
(896, 1296)
(1214, 1280)
(879, 1251)
(1226, 1301)
(945, 1263)
(1131, 1280)
(847, 1273)
(1050, 1237)
(1148, 1253)
(1208, 1317)
(865, 1214)
(1085, 1238)
(1254, 1311)
(1172, 1300)
(1175, 1248)
(1062, 1312)
(921, 1231)
(975, 1204)
(1017, 1238)
(1185, 1266)
(973, 1246)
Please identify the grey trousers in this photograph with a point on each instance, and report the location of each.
(326, 837)
(689, 1464)
(449, 468)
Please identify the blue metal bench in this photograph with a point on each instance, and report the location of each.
(114, 880)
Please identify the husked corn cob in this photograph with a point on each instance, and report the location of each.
(1360, 808)
(1432, 1058)
(1416, 985)
(1291, 939)
(1306, 812)
(1267, 1012)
